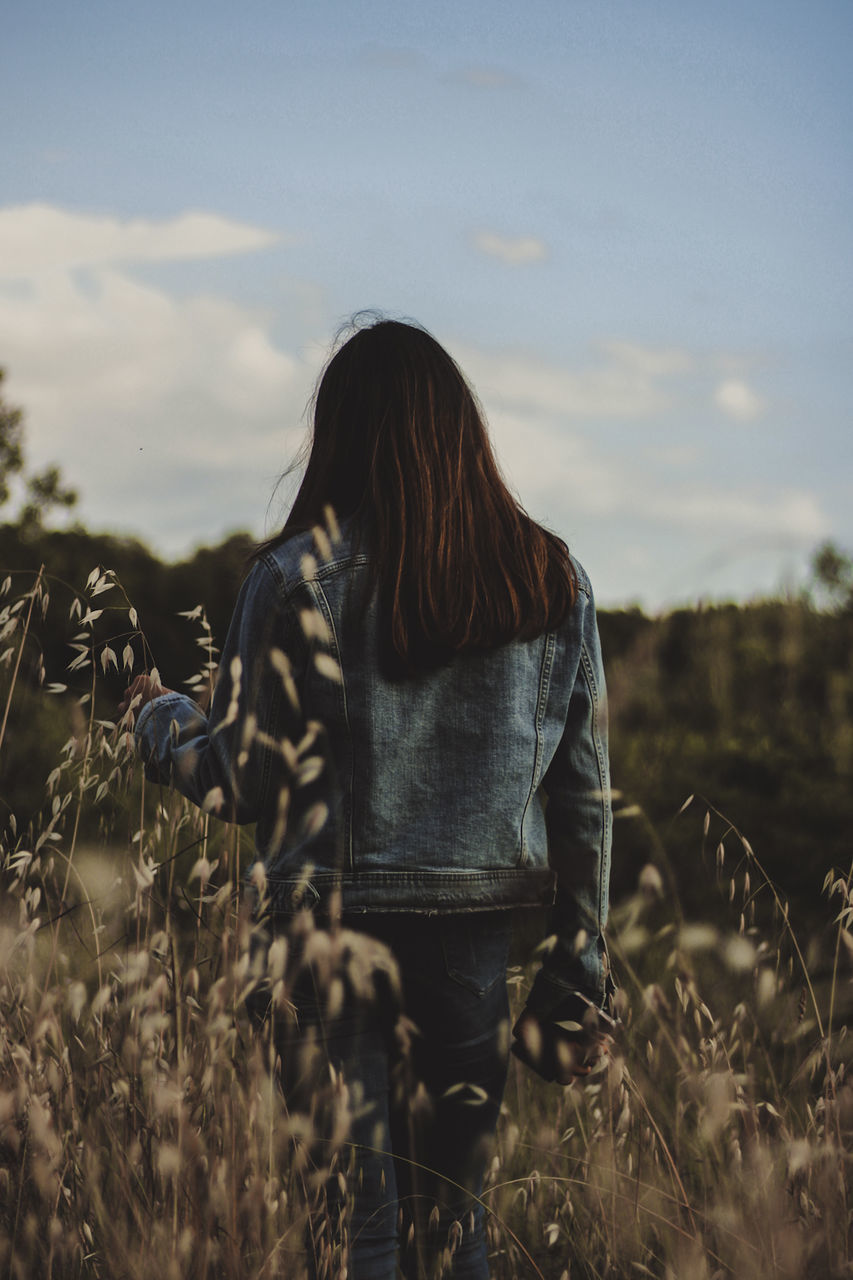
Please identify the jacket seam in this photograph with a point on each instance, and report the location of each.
(325, 570)
(424, 876)
(541, 702)
(344, 706)
(266, 756)
(589, 676)
(271, 719)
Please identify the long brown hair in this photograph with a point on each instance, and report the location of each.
(400, 444)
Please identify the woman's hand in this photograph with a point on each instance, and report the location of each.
(556, 1054)
(143, 690)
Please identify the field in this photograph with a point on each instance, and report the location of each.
(142, 1132)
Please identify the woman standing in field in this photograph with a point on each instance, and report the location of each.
(411, 708)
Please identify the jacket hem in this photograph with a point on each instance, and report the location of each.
(418, 892)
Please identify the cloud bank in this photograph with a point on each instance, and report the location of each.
(620, 452)
(174, 415)
(37, 237)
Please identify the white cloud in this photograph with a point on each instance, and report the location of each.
(651, 362)
(513, 251)
(118, 346)
(652, 495)
(746, 510)
(36, 238)
(564, 477)
(172, 416)
(557, 472)
(737, 399)
(622, 380)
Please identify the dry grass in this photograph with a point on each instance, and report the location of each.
(142, 1132)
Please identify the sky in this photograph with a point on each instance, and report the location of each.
(630, 224)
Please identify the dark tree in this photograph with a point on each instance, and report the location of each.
(11, 442)
(46, 489)
(832, 570)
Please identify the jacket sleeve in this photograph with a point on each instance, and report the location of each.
(575, 973)
(231, 761)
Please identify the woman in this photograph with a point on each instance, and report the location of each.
(411, 708)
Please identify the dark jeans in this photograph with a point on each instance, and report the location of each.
(422, 1121)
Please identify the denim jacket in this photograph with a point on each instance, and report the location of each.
(482, 784)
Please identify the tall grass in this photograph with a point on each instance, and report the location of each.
(142, 1130)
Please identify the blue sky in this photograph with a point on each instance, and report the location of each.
(630, 223)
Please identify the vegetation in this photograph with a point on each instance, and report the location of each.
(44, 490)
(142, 1131)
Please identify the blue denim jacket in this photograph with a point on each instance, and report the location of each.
(481, 784)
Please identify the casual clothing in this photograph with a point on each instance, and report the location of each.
(478, 786)
(436, 804)
(413, 1150)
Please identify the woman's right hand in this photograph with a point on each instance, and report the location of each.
(144, 690)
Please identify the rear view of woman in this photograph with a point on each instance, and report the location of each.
(411, 708)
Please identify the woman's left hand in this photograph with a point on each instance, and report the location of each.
(145, 690)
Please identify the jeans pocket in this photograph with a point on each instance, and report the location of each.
(476, 948)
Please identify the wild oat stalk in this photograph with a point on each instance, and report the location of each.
(143, 1131)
